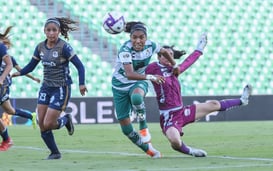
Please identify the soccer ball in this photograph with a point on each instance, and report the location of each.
(113, 22)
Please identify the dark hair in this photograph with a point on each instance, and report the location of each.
(5, 37)
(65, 24)
(131, 24)
(177, 54)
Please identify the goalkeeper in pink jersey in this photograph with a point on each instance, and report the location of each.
(173, 114)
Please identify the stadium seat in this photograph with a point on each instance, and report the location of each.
(238, 39)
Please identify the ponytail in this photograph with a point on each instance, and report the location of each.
(5, 37)
(177, 54)
(65, 25)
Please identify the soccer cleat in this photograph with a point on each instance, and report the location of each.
(145, 135)
(197, 152)
(153, 152)
(246, 93)
(5, 145)
(34, 120)
(53, 156)
(69, 125)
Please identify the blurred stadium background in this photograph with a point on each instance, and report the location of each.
(239, 49)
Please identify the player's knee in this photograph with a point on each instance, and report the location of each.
(214, 104)
(176, 145)
(136, 99)
(10, 111)
(48, 125)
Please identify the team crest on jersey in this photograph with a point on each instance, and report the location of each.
(148, 52)
(55, 54)
(126, 55)
(42, 55)
(187, 112)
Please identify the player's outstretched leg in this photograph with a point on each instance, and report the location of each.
(190, 150)
(139, 108)
(27, 114)
(245, 95)
(129, 131)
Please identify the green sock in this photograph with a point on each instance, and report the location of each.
(142, 123)
(139, 106)
(129, 131)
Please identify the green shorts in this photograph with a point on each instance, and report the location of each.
(122, 99)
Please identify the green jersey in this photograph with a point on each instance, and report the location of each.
(139, 60)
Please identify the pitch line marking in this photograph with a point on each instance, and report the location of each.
(216, 167)
(136, 154)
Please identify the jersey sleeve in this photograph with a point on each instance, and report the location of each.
(191, 59)
(14, 62)
(125, 56)
(36, 52)
(68, 51)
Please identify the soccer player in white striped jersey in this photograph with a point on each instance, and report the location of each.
(129, 84)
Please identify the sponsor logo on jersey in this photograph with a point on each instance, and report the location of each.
(55, 54)
(148, 52)
(49, 63)
(167, 74)
(42, 55)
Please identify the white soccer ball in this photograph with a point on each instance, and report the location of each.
(113, 22)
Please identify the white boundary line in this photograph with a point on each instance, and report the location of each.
(136, 154)
(215, 167)
(170, 156)
(244, 158)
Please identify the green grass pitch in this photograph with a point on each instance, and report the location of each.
(231, 146)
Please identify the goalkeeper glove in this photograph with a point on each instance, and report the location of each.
(202, 42)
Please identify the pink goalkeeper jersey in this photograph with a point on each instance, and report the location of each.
(168, 94)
